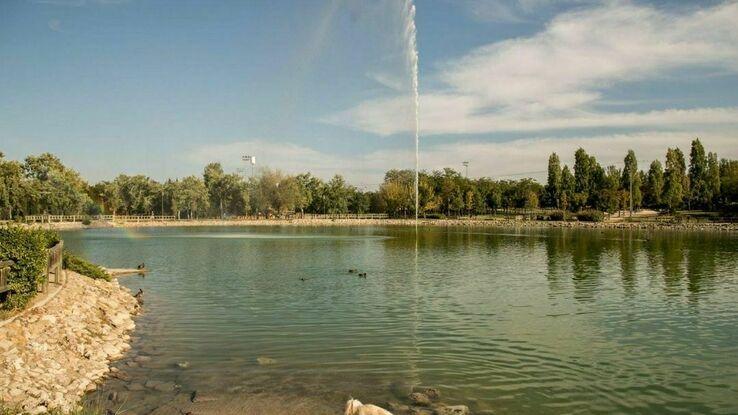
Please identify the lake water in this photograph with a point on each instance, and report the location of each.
(505, 321)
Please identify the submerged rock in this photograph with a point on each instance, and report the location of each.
(265, 361)
(420, 399)
(452, 410)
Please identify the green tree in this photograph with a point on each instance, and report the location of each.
(567, 187)
(728, 182)
(631, 177)
(713, 179)
(554, 183)
(699, 192)
(655, 184)
(674, 179)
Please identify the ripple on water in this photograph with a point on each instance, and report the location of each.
(519, 322)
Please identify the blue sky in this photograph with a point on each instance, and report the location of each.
(163, 87)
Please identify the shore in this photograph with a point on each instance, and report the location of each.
(53, 354)
(460, 223)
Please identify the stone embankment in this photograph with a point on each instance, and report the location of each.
(51, 355)
(461, 223)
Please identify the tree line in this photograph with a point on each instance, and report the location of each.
(44, 185)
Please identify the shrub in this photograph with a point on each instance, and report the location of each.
(82, 266)
(557, 215)
(434, 216)
(591, 216)
(27, 249)
(86, 221)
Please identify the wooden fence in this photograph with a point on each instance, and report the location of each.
(4, 275)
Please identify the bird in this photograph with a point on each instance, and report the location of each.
(303, 279)
(139, 297)
(362, 275)
(351, 271)
(141, 266)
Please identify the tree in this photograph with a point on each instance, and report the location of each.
(554, 183)
(213, 178)
(53, 188)
(654, 184)
(699, 192)
(567, 187)
(397, 192)
(192, 196)
(631, 182)
(728, 182)
(713, 179)
(674, 179)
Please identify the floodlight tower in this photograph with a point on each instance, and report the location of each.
(251, 160)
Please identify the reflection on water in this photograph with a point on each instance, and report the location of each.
(546, 321)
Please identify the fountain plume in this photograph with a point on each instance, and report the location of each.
(411, 50)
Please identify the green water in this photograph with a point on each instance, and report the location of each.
(507, 322)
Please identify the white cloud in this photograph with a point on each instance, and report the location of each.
(492, 159)
(554, 79)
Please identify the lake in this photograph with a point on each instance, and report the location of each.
(512, 321)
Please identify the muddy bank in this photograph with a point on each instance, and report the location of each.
(53, 354)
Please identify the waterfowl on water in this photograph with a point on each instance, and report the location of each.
(351, 271)
(141, 266)
(303, 279)
(362, 275)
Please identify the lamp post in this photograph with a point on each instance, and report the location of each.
(466, 165)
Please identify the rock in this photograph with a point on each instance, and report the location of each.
(265, 361)
(135, 387)
(398, 408)
(419, 398)
(160, 386)
(452, 410)
(196, 397)
(432, 393)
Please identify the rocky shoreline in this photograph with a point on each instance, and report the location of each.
(460, 223)
(52, 355)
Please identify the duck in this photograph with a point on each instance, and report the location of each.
(362, 275)
(352, 270)
(303, 279)
(139, 296)
(141, 266)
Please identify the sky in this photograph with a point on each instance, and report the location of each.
(163, 87)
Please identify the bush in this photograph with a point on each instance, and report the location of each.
(27, 249)
(591, 216)
(82, 266)
(434, 216)
(86, 221)
(557, 215)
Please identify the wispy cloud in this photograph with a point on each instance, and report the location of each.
(556, 78)
(514, 11)
(55, 25)
(79, 3)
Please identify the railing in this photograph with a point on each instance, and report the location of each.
(4, 275)
(108, 218)
(54, 264)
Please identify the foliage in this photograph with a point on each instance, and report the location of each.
(84, 267)
(27, 249)
(591, 216)
(557, 215)
(42, 184)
